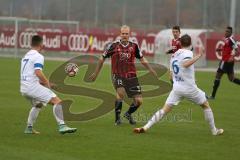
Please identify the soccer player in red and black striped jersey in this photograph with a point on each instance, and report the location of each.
(123, 53)
(176, 45)
(226, 65)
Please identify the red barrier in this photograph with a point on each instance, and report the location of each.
(214, 41)
(72, 42)
(94, 43)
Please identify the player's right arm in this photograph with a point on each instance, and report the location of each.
(109, 50)
(42, 78)
(170, 51)
(98, 69)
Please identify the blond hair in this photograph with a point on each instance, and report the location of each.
(125, 27)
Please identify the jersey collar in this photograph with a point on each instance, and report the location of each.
(123, 44)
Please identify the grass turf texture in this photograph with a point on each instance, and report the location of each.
(100, 139)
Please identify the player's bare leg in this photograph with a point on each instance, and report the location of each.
(118, 105)
(216, 84)
(137, 102)
(33, 114)
(210, 119)
(58, 114)
(155, 118)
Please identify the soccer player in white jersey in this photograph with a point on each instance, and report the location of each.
(184, 86)
(35, 87)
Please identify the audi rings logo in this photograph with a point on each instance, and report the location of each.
(25, 39)
(220, 44)
(77, 42)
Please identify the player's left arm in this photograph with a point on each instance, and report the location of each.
(145, 63)
(234, 46)
(188, 61)
(170, 51)
(38, 67)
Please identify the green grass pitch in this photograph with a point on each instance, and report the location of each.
(100, 139)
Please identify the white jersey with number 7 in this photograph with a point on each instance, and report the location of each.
(30, 62)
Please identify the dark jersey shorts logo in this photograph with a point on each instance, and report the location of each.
(131, 85)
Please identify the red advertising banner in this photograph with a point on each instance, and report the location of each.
(53, 41)
(95, 43)
(214, 41)
(7, 39)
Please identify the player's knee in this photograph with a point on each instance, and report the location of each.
(55, 100)
(39, 105)
(218, 75)
(138, 101)
(120, 96)
(205, 105)
(167, 108)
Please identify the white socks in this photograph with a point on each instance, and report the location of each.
(33, 114)
(209, 118)
(155, 118)
(58, 113)
(160, 114)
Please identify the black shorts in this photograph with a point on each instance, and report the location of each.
(226, 67)
(130, 85)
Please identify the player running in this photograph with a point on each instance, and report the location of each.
(36, 88)
(176, 45)
(184, 86)
(123, 53)
(226, 65)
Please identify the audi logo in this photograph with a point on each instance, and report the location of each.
(78, 42)
(219, 54)
(25, 39)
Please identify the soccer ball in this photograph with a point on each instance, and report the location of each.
(71, 69)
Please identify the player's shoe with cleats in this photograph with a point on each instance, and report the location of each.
(139, 130)
(118, 122)
(30, 130)
(217, 132)
(129, 118)
(63, 128)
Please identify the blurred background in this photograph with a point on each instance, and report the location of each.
(96, 22)
(142, 14)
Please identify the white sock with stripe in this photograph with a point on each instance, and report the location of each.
(33, 114)
(58, 113)
(155, 118)
(209, 118)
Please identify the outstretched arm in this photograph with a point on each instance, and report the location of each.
(170, 51)
(191, 61)
(98, 69)
(147, 66)
(237, 50)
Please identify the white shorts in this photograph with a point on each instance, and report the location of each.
(39, 94)
(195, 95)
